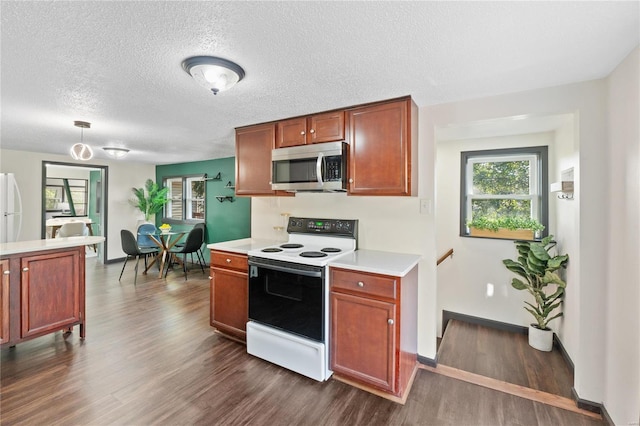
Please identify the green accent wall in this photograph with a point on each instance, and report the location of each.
(226, 220)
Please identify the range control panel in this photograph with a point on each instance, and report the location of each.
(329, 227)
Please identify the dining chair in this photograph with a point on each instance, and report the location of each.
(199, 253)
(72, 229)
(192, 244)
(131, 249)
(143, 240)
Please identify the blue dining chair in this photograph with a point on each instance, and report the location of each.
(143, 240)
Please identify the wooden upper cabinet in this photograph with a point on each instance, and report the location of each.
(253, 159)
(383, 142)
(327, 127)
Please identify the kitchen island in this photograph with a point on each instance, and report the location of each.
(43, 287)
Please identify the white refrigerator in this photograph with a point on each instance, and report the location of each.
(10, 208)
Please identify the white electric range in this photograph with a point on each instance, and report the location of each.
(289, 294)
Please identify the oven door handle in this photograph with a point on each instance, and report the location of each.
(314, 274)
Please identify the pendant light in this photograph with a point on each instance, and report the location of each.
(212, 73)
(81, 151)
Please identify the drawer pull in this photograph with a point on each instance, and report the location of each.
(360, 284)
(6, 272)
(390, 321)
(25, 269)
(228, 260)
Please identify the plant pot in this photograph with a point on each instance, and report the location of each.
(504, 233)
(541, 340)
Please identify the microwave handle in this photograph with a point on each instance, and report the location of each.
(319, 168)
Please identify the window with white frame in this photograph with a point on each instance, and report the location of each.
(504, 184)
(187, 198)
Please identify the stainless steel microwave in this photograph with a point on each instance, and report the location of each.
(318, 167)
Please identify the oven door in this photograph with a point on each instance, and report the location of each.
(287, 296)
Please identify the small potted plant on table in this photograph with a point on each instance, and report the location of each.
(538, 268)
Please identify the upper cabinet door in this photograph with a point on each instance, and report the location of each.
(380, 139)
(327, 127)
(291, 132)
(253, 159)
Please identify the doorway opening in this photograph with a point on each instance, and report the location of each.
(72, 191)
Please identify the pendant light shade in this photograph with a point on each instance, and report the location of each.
(81, 151)
(215, 74)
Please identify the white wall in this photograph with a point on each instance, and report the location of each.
(27, 167)
(482, 287)
(622, 371)
(587, 102)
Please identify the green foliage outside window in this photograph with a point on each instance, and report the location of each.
(501, 178)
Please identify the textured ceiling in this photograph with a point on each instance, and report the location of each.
(118, 64)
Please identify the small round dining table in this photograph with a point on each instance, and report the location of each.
(164, 241)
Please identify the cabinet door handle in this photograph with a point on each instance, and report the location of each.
(390, 321)
(6, 272)
(302, 132)
(312, 131)
(350, 180)
(360, 284)
(210, 277)
(25, 269)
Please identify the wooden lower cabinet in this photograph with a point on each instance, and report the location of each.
(46, 293)
(374, 329)
(363, 336)
(229, 293)
(4, 301)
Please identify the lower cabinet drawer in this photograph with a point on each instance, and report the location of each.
(364, 283)
(225, 259)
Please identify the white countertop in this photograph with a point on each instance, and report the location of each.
(243, 246)
(48, 244)
(378, 262)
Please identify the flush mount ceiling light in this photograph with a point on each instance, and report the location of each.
(215, 74)
(81, 151)
(116, 152)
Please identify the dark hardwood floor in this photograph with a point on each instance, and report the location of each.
(150, 357)
(504, 356)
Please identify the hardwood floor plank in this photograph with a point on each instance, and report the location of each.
(150, 357)
(505, 356)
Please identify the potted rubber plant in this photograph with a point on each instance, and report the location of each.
(538, 268)
(150, 201)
